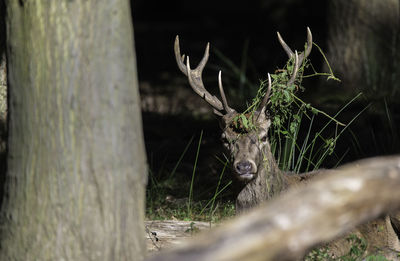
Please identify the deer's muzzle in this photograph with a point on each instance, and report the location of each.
(245, 169)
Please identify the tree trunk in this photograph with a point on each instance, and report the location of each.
(363, 42)
(76, 162)
(3, 98)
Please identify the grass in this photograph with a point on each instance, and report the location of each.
(316, 145)
(162, 205)
(189, 209)
(356, 252)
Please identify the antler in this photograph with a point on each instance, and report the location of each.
(266, 96)
(196, 81)
(298, 58)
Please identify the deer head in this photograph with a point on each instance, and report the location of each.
(248, 147)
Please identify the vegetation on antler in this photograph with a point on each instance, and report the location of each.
(287, 111)
(243, 123)
(284, 99)
(285, 107)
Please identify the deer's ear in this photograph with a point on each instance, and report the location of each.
(263, 120)
(266, 123)
(260, 115)
(225, 120)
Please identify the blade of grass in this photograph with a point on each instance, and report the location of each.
(216, 189)
(180, 158)
(189, 205)
(301, 158)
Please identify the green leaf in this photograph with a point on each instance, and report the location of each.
(291, 87)
(287, 96)
(313, 110)
(244, 121)
(293, 127)
(235, 121)
(277, 121)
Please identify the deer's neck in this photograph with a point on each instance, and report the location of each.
(270, 181)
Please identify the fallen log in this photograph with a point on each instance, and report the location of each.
(165, 234)
(287, 227)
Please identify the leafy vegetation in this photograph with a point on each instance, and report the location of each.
(287, 111)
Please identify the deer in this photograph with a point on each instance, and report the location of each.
(253, 164)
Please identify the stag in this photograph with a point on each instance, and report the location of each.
(254, 166)
(253, 163)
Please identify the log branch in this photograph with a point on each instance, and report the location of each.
(286, 227)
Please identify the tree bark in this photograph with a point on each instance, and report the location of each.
(76, 163)
(3, 97)
(285, 228)
(363, 43)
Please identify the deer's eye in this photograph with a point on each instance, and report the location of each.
(225, 141)
(263, 138)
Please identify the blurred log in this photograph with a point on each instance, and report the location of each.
(306, 216)
(164, 234)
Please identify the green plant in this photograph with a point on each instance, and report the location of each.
(357, 249)
(189, 205)
(217, 192)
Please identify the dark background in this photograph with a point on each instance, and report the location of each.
(227, 25)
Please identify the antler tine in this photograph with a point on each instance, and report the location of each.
(195, 81)
(299, 58)
(221, 91)
(309, 43)
(266, 96)
(295, 69)
(179, 59)
(287, 49)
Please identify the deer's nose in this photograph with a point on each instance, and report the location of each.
(243, 167)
